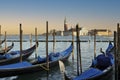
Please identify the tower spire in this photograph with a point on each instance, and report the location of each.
(65, 21)
(65, 25)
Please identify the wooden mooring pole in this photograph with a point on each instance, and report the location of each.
(115, 55)
(36, 39)
(54, 40)
(0, 33)
(21, 32)
(30, 40)
(94, 43)
(118, 50)
(47, 57)
(73, 46)
(5, 42)
(79, 62)
(77, 51)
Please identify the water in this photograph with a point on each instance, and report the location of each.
(87, 51)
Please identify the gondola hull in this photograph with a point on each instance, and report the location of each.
(28, 70)
(15, 60)
(34, 67)
(25, 55)
(100, 69)
(1, 42)
(107, 75)
(2, 52)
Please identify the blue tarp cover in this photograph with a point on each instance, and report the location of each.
(110, 46)
(10, 55)
(103, 60)
(57, 55)
(108, 53)
(16, 65)
(88, 73)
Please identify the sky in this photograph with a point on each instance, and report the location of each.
(90, 14)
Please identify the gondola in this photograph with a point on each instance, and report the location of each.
(100, 69)
(14, 56)
(1, 42)
(3, 51)
(26, 67)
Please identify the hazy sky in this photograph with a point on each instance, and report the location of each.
(34, 13)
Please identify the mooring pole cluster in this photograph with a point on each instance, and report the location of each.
(79, 62)
(117, 51)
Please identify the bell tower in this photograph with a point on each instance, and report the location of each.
(65, 25)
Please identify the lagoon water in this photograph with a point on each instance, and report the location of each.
(87, 52)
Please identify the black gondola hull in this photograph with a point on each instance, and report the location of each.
(2, 52)
(25, 55)
(35, 67)
(28, 70)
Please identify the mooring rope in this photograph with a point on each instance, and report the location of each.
(44, 67)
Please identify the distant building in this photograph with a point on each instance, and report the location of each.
(67, 31)
(65, 25)
(83, 32)
(59, 33)
(101, 32)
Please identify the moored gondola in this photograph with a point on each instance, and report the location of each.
(5, 50)
(1, 42)
(27, 67)
(14, 56)
(101, 68)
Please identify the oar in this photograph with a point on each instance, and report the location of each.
(62, 69)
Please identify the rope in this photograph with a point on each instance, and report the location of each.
(44, 67)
